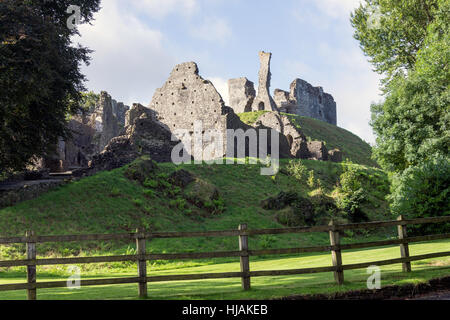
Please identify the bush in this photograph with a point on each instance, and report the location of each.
(141, 169)
(296, 169)
(350, 203)
(349, 180)
(423, 191)
(351, 194)
(151, 183)
(311, 181)
(293, 210)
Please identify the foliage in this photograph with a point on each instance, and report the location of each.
(142, 170)
(423, 191)
(412, 123)
(40, 77)
(89, 101)
(297, 169)
(411, 47)
(311, 180)
(351, 194)
(391, 32)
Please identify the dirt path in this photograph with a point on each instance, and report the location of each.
(435, 289)
(441, 295)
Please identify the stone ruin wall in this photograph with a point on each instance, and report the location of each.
(241, 93)
(312, 102)
(303, 99)
(186, 98)
(112, 134)
(263, 100)
(91, 132)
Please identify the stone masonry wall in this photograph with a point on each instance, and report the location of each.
(264, 100)
(313, 102)
(241, 94)
(186, 99)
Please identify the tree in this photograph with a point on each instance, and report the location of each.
(40, 78)
(423, 191)
(392, 32)
(89, 101)
(410, 47)
(412, 124)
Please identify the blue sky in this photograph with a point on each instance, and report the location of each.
(138, 42)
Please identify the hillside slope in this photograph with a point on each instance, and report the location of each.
(109, 202)
(354, 148)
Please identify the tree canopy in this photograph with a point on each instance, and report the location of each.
(391, 33)
(40, 77)
(410, 47)
(412, 124)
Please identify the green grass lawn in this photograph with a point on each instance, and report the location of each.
(262, 287)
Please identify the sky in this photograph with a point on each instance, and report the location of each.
(137, 43)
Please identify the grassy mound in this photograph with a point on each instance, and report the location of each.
(354, 148)
(109, 202)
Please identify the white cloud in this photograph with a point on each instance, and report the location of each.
(321, 13)
(336, 8)
(212, 29)
(129, 61)
(162, 8)
(221, 86)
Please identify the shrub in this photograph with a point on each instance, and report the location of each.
(296, 169)
(423, 191)
(351, 194)
(150, 183)
(289, 217)
(311, 181)
(141, 169)
(349, 179)
(350, 203)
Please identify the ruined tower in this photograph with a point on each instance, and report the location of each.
(263, 100)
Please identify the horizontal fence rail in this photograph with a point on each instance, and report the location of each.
(141, 257)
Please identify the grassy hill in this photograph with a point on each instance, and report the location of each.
(353, 147)
(109, 202)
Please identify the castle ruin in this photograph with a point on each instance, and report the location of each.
(113, 134)
(303, 99)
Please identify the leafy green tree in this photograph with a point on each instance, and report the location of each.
(351, 194)
(391, 32)
(89, 101)
(423, 191)
(40, 78)
(412, 124)
(410, 46)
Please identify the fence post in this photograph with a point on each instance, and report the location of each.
(245, 265)
(31, 268)
(336, 255)
(404, 247)
(142, 262)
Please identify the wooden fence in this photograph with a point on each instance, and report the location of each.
(141, 257)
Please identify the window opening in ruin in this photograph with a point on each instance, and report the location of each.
(290, 140)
